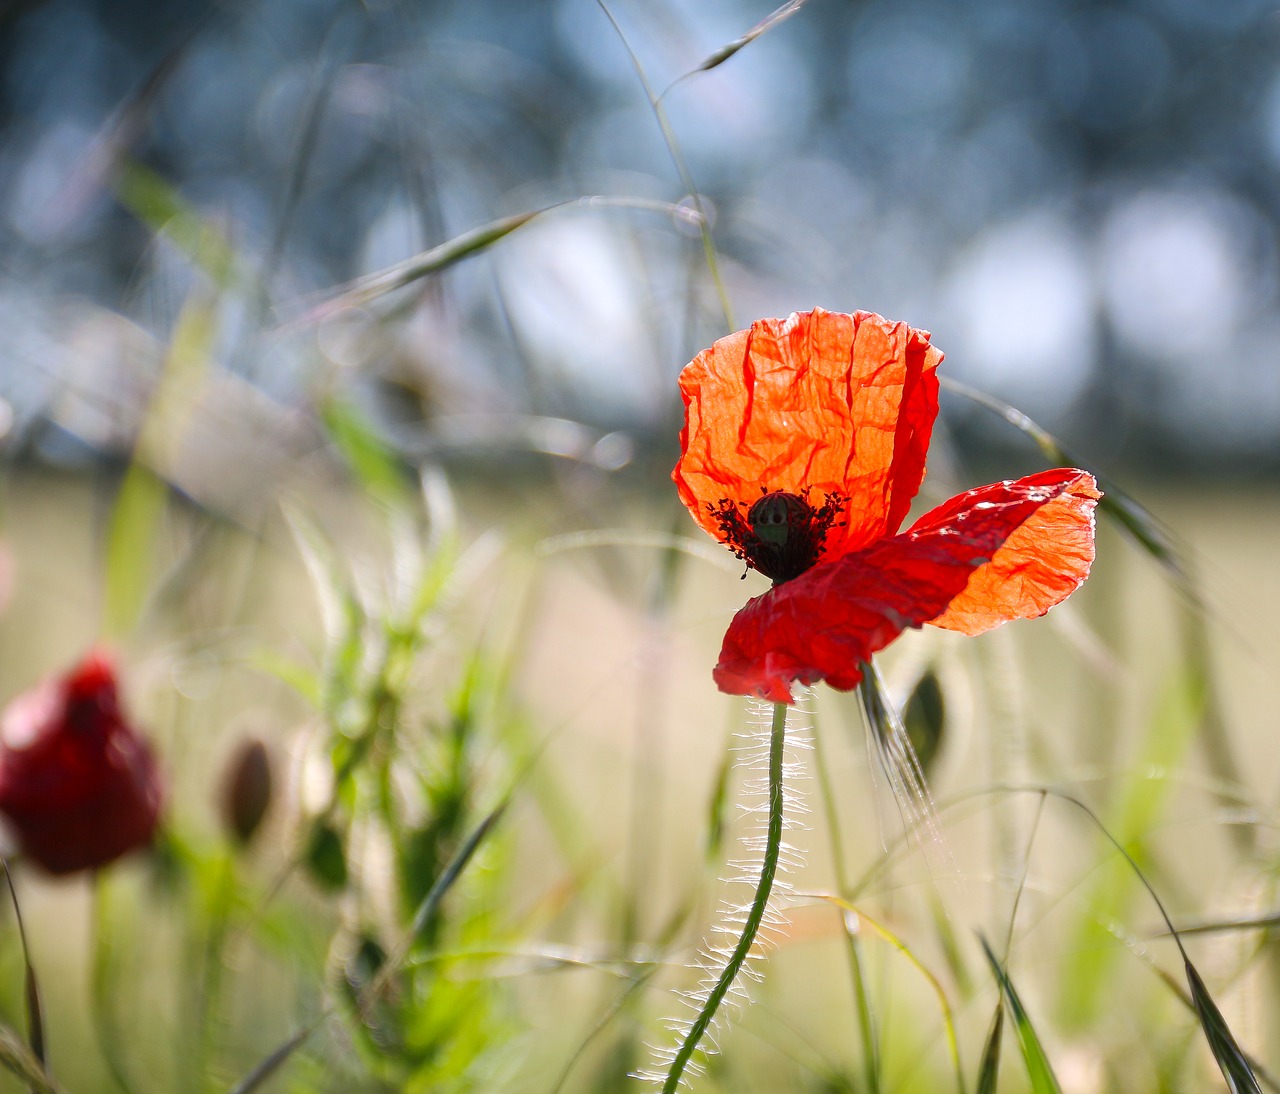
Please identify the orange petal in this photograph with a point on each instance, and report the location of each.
(835, 403)
(1041, 563)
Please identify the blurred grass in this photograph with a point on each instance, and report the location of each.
(574, 679)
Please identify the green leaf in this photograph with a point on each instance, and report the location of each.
(1043, 1080)
(367, 289)
(924, 717)
(325, 858)
(453, 870)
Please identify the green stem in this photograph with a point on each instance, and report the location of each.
(768, 871)
(862, 1000)
(210, 961)
(104, 1024)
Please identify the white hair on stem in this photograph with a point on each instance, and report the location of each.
(730, 956)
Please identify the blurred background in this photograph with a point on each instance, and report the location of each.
(207, 418)
(1078, 199)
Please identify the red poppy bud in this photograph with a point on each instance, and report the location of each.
(78, 786)
(246, 790)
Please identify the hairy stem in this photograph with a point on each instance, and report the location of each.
(768, 871)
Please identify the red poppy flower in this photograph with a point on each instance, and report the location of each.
(78, 786)
(803, 446)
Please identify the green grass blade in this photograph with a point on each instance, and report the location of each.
(160, 206)
(1166, 739)
(107, 1030)
(989, 1071)
(31, 986)
(1043, 1080)
(1231, 1059)
(429, 907)
(119, 135)
(365, 290)
(854, 918)
(273, 1061)
(719, 807)
(1236, 1066)
(853, 950)
(1263, 1077)
(370, 460)
(35, 1014)
(867, 1029)
(1133, 517)
(15, 1057)
(131, 547)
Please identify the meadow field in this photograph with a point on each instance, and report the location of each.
(567, 676)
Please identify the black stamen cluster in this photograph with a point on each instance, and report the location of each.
(782, 534)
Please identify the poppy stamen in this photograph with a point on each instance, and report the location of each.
(782, 534)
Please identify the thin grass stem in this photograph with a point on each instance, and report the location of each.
(682, 169)
(862, 1001)
(103, 1018)
(1022, 881)
(35, 1012)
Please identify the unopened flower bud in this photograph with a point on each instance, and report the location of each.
(78, 786)
(246, 790)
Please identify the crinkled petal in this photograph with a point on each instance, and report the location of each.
(839, 404)
(1041, 563)
(825, 623)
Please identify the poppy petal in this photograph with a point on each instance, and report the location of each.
(1041, 563)
(832, 403)
(825, 623)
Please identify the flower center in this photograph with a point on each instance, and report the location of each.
(781, 535)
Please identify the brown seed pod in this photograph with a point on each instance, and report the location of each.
(246, 790)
